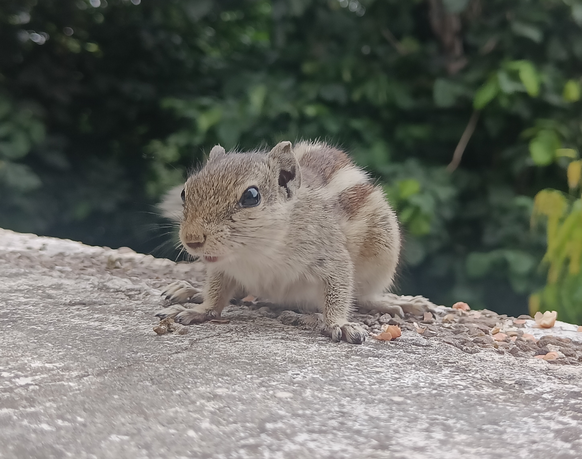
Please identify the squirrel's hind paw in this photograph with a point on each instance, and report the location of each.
(192, 316)
(354, 333)
(309, 321)
(381, 305)
(184, 316)
(351, 333)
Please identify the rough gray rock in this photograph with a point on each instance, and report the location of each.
(83, 374)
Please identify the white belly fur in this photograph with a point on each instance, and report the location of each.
(276, 282)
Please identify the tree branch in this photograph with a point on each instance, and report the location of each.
(458, 154)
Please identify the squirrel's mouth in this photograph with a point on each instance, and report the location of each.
(210, 259)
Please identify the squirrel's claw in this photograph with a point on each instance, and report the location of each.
(182, 292)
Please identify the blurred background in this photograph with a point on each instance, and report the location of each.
(464, 109)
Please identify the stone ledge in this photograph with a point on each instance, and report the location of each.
(83, 374)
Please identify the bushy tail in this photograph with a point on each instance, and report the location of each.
(171, 204)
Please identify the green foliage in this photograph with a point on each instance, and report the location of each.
(543, 147)
(20, 130)
(130, 96)
(563, 258)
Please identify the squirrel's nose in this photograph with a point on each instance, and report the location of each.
(196, 244)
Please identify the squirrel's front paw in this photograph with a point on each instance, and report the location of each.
(171, 312)
(350, 332)
(182, 292)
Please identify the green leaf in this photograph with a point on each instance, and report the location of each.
(507, 84)
(407, 213)
(527, 30)
(566, 153)
(424, 201)
(420, 224)
(376, 156)
(543, 147)
(529, 77)
(571, 91)
(311, 110)
(486, 93)
(408, 188)
(208, 119)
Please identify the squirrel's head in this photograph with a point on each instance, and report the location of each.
(238, 201)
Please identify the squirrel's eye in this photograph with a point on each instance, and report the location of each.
(250, 197)
(183, 195)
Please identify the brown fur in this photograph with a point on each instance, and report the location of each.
(326, 163)
(352, 199)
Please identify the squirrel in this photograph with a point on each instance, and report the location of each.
(300, 225)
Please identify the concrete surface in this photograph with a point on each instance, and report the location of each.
(83, 375)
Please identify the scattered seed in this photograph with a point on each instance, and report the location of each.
(384, 336)
(428, 318)
(249, 299)
(394, 330)
(546, 320)
(461, 306)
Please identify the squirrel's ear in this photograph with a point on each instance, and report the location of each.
(284, 165)
(216, 152)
